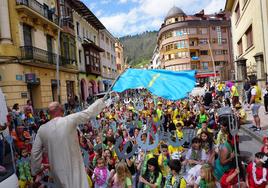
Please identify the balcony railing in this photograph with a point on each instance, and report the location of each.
(41, 9)
(67, 23)
(33, 53)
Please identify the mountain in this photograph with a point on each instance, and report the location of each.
(138, 49)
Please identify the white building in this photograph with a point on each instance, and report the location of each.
(108, 58)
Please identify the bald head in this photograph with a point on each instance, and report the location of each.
(55, 109)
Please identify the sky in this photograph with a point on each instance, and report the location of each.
(129, 17)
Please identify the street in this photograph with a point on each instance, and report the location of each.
(248, 146)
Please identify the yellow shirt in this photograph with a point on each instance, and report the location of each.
(172, 149)
(163, 164)
(183, 183)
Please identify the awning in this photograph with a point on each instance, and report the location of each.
(107, 82)
(206, 75)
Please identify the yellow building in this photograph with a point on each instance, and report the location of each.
(88, 50)
(250, 40)
(28, 54)
(119, 54)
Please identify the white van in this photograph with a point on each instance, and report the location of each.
(8, 177)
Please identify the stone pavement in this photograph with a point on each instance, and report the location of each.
(258, 135)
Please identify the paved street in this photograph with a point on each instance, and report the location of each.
(248, 145)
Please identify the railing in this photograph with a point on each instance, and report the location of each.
(41, 9)
(67, 23)
(33, 53)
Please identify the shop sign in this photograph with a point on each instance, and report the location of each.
(19, 77)
(24, 95)
(30, 78)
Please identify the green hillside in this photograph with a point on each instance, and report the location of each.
(138, 49)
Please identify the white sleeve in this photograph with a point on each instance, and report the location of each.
(253, 91)
(83, 117)
(36, 154)
(188, 154)
(197, 181)
(204, 156)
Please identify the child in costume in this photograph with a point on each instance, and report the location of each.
(24, 169)
(101, 174)
(257, 175)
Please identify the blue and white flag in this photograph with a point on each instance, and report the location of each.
(163, 83)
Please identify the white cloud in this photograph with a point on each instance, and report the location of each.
(105, 2)
(150, 14)
(99, 13)
(214, 6)
(122, 1)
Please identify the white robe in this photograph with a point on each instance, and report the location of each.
(58, 138)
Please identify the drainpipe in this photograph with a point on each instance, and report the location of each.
(264, 47)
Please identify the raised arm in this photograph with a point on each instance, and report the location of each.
(84, 116)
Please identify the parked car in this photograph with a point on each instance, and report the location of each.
(8, 177)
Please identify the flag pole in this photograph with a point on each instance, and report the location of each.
(212, 58)
(118, 76)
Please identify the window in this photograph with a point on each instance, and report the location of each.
(108, 55)
(27, 35)
(224, 41)
(77, 29)
(79, 56)
(240, 47)
(192, 30)
(118, 55)
(203, 52)
(237, 12)
(102, 36)
(249, 35)
(204, 65)
(94, 39)
(203, 41)
(50, 49)
(107, 40)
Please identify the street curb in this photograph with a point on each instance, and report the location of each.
(252, 134)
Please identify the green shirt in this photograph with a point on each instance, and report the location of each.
(158, 181)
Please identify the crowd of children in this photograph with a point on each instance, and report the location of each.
(206, 159)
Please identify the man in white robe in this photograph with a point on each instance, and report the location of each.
(59, 139)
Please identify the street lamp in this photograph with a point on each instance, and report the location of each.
(58, 59)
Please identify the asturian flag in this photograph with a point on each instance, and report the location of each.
(163, 83)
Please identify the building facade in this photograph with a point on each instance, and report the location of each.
(88, 51)
(119, 54)
(29, 51)
(155, 61)
(196, 42)
(250, 40)
(108, 58)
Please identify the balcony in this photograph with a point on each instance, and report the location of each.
(37, 54)
(68, 23)
(90, 69)
(36, 9)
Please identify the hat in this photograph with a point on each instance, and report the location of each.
(238, 105)
(264, 159)
(159, 103)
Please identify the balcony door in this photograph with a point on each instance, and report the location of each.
(27, 37)
(50, 49)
